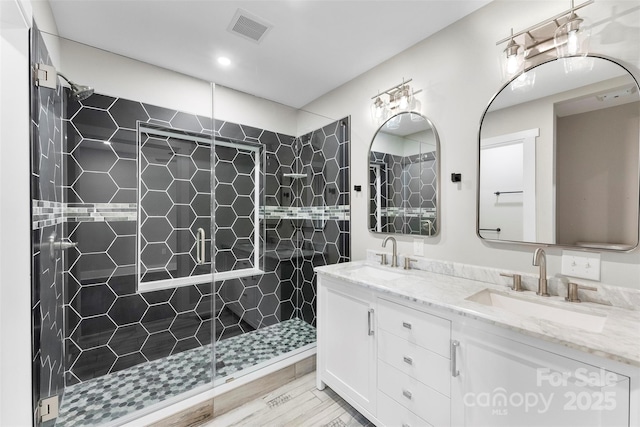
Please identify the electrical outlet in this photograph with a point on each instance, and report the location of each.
(418, 247)
(585, 265)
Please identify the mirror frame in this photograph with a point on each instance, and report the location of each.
(438, 178)
(636, 77)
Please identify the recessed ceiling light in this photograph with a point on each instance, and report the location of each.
(224, 61)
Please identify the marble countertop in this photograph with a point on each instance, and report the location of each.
(619, 340)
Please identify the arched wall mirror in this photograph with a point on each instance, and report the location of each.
(559, 157)
(404, 163)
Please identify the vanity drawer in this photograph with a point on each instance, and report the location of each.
(425, 330)
(424, 401)
(393, 414)
(426, 366)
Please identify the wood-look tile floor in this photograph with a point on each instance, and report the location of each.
(296, 404)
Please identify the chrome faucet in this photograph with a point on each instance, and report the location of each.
(394, 251)
(540, 259)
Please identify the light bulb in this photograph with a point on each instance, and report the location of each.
(404, 102)
(572, 42)
(512, 64)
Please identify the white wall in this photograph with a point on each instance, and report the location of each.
(458, 70)
(15, 218)
(238, 107)
(608, 187)
(119, 76)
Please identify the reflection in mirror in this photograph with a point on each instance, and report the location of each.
(559, 149)
(403, 177)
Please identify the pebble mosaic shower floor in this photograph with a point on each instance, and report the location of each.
(108, 398)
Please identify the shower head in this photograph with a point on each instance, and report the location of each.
(78, 92)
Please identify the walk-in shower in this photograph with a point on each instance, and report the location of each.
(184, 245)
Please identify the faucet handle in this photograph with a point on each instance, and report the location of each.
(407, 262)
(572, 291)
(517, 281)
(383, 258)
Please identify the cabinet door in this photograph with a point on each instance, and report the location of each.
(346, 344)
(507, 383)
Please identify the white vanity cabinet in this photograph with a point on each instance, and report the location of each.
(347, 356)
(413, 366)
(389, 361)
(403, 363)
(506, 382)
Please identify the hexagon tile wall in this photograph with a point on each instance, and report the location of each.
(109, 326)
(411, 191)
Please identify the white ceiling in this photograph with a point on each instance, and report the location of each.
(313, 47)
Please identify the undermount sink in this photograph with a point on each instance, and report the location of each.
(541, 310)
(375, 273)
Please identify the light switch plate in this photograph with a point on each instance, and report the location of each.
(418, 247)
(585, 265)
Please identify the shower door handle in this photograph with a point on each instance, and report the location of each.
(200, 246)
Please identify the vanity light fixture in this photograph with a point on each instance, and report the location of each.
(565, 32)
(403, 97)
(392, 101)
(513, 62)
(572, 37)
(378, 110)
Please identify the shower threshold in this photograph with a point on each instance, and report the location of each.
(106, 399)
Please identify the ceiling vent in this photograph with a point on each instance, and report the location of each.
(249, 26)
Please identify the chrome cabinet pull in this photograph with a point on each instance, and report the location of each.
(408, 360)
(454, 363)
(407, 394)
(405, 425)
(370, 321)
(406, 325)
(200, 246)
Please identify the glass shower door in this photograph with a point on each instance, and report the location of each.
(48, 243)
(104, 348)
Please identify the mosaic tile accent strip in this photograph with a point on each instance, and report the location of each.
(409, 212)
(113, 396)
(340, 213)
(45, 213)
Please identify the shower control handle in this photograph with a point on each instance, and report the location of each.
(58, 245)
(61, 246)
(200, 246)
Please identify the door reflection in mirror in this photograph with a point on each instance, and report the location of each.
(583, 188)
